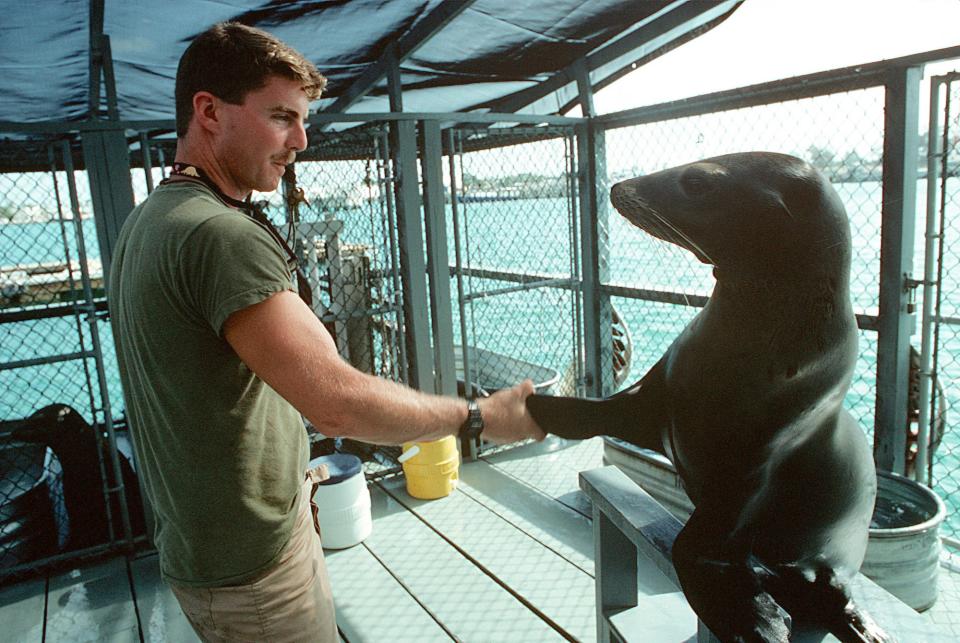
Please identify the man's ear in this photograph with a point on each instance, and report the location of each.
(206, 110)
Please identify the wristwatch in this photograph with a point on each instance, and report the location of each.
(473, 425)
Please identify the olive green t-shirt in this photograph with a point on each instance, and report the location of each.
(221, 455)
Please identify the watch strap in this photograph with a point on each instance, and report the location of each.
(472, 427)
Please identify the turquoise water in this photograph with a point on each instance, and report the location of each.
(525, 235)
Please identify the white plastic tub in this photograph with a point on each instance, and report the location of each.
(343, 502)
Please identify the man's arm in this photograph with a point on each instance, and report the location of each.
(283, 342)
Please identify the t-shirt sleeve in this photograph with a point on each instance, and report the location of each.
(229, 263)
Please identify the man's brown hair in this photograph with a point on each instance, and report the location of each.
(230, 59)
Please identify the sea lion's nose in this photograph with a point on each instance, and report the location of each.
(620, 191)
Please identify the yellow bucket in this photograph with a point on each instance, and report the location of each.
(433, 471)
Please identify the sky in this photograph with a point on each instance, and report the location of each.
(767, 40)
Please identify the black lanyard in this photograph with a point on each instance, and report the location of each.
(255, 212)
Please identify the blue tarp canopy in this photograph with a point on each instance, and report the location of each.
(486, 55)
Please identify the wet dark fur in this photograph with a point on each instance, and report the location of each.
(747, 401)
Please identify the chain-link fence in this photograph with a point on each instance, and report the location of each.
(944, 400)
(60, 494)
(514, 219)
(338, 210)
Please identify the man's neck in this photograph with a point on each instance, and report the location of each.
(202, 156)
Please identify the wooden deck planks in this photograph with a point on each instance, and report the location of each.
(371, 605)
(92, 604)
(552, 585)
(21, 610)
(161, 618)
(471, 605)
(555, 525)
(513, 544)
(553, 466)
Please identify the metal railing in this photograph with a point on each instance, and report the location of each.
(938, 396)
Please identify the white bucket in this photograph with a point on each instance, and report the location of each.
(903, 555)
(343, 502)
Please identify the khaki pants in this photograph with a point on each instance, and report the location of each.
(290, 602)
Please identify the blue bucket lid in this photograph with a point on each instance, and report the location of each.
(340, 465)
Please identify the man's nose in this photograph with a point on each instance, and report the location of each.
(298, 138)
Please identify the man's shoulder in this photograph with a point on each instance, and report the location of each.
(184, 208)
(187, 199)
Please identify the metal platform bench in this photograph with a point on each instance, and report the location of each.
(628, 523)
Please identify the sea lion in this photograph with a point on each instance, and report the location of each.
(747, 401)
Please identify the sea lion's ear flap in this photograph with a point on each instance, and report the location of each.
(798, 195)
(782, 204)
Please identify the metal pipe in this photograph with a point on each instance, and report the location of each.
(458, 265)
(506, 275)
(952, 543)
(946, 319)
(98, 354)
(360, 313)
(78, 309)
(38, 361)
(533, 285)
(33, 565)
(388, 340)
(469, 262)
(147, 161)
(929, 283)
(387, 190)
(45, 312)
(944, 173)
(576, 298)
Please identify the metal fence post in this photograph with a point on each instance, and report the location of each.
(438, 263)
(416, 332)
(595, 258)
(108, 166)
(898, 220)
(90, 309)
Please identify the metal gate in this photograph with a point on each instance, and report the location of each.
(938, 383)
(59, 465)
(514, 238)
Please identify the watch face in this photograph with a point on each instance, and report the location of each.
(473, 426)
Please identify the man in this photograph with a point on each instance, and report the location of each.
(219, 357)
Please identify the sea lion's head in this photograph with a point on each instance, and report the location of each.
(746, 212)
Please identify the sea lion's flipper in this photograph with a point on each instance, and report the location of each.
(726, 591)
(636, 415)
(818, 597)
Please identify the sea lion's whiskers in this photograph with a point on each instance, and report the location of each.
(679, 233)
(666, 239)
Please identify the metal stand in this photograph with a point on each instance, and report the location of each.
(628, 522)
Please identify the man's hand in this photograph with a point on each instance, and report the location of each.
(505, 415)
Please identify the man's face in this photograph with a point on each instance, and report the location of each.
(261, 136)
